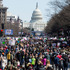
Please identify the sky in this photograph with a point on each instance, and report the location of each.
(25, 8)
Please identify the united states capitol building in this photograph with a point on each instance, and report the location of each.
(36, 23)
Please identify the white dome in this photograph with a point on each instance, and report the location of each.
(36, 14)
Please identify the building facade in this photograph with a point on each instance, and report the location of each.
(36, 23)
(3, 14)
(11, 17)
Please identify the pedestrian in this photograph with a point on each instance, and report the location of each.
(61, 64)
(8, 57)
(56, 62)
(33, 61)
(44, 60)
(65, 62)
(1, 60)
(49, 66)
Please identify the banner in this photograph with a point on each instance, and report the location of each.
(8, 31)
(12, 42)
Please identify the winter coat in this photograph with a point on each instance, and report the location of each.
(56, 61)
(65, 61)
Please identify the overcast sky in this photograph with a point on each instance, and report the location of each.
(25, 8)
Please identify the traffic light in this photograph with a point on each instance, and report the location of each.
(2, 25)
(1, 33)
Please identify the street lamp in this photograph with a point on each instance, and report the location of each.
(21, 27)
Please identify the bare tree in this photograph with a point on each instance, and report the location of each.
(60, 19)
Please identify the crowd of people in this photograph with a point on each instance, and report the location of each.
(35, 53)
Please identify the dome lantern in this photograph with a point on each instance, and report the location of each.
(36, 5)
(36, 15)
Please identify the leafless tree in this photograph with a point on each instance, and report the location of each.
(60, 19)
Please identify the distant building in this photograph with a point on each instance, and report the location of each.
(11, 17)
(26, 24)
(13, 24)
(36, 23)
(3, 14)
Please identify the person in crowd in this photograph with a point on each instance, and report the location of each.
(49, 66)
(34, 53)
(44, 60)
(56, 62)
(8, 57)
(61, 64)
(1, 60)
(40, 65)
(65, 62)
(33, 61)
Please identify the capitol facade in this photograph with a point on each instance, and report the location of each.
(36, 23)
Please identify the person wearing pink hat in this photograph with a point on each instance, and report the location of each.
(61, 64)
(59, 56)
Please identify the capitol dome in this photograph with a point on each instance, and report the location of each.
(36, 14)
